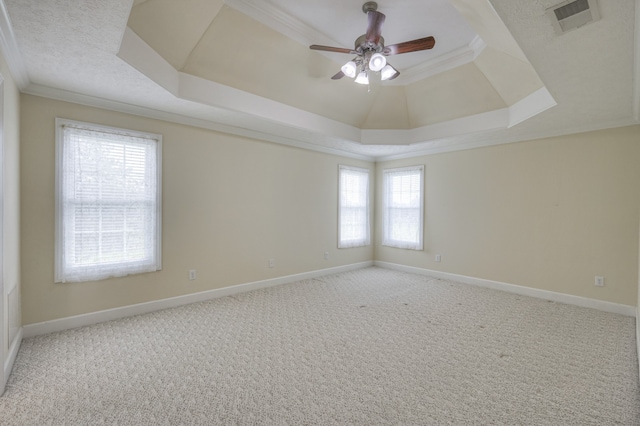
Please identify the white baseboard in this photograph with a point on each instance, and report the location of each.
(569, 299)
(11, 357)
(67, 323)
(638, 337)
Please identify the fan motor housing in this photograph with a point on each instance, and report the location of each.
(362, 44)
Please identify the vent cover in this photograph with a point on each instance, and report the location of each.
(570, 15)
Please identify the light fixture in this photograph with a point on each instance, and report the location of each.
(388, 73)
(365, 63)
(377, 62)
(349, 69)
(362, 78)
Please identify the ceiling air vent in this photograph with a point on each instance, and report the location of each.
(570, 15)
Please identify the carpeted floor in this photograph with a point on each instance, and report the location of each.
(366, 347)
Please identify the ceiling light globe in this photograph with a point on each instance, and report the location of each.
(377, 62)
(349, 69)
(362, 78)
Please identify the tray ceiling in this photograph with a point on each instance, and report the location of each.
(495, 75)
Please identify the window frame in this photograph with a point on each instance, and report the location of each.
(403, 244)
(62, 274)
(366, 241)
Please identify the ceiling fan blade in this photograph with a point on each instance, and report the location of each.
(410, 46)
(338, 76)
(331, 49)
(374, 29)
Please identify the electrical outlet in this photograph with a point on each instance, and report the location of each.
(326, 255)
(192, 274)
(438, 258)
(599, 281)
(272, 263)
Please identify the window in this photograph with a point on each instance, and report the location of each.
(402, 207)
(108, 202)
(353, 206)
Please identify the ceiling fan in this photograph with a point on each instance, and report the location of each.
(371, 52)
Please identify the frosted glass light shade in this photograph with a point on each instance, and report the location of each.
(349, 69)
(377, 62)
(388, 73)
(362, 78)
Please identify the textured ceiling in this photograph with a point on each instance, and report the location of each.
(245, 67)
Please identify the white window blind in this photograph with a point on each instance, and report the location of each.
(108, 202)
(402, 211)
(353, 218)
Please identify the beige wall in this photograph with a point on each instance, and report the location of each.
(229, 204)
(549, 214)
(11, 208)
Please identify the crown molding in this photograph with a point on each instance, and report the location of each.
(282, 118)
(477, 45)
(281, 22)
(92, 101)
(484, 138)
(432, 134)
(442, 63)
(280, 123)
(491, 138)
(256, 117)
(137, 53)
(478, 124)
(10, 50)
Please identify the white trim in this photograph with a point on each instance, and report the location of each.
(63, 271)
(483, 137)
(488, 138)
(531, 105)
(535, 103)
(209, 92)
(442, 63)
(46, 327)
(366, 241)
(638, 337)
(315, 133)
(11, 357)
(492, 120)
(429, 136)
(386, 237)
(279, 118)
(569, 299)
(137, 53)
(477, 45)
(281, 22)
(10, 50)
(92, 101)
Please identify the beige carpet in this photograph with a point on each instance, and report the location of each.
(366, 347)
